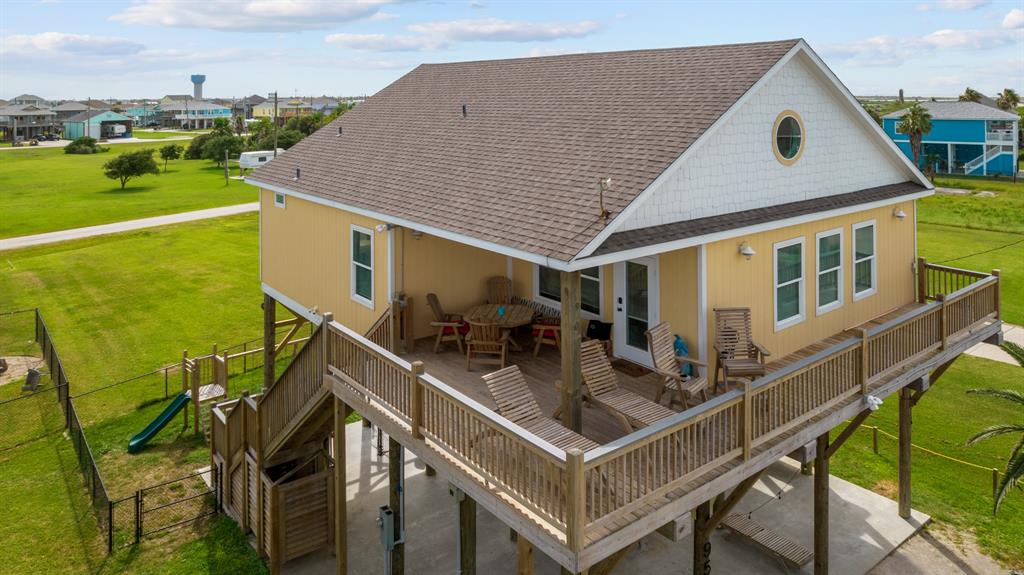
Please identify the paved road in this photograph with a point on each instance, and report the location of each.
(62, 143)
(90, 231)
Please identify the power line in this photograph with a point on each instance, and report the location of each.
(1011, 244)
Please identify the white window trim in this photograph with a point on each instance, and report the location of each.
(823, 309)
(558, 305)
(279, 199)
(353, 263)
(857, 296)
(798, 318)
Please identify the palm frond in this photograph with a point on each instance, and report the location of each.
(1011, 477)
(994, 431)
(1007, 394)
(1015, 351)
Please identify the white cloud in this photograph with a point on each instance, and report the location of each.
(440, 35)
(1014, 19)
(891, 50)
(496, 30)
(248, 15)
(955, 5)
(62, 44)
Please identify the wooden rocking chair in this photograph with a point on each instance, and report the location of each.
(499, 290)
(516, 403)
(632, 410)
(736, 353)
(667, 364)
(450, 327)
(486, 339)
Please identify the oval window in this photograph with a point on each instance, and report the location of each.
(789, 137)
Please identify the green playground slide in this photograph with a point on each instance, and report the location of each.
(139, 441)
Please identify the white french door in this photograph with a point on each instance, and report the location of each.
(636, 307)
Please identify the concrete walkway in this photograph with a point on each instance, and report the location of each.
(126, 226)
(1012, 333)
(864, 526)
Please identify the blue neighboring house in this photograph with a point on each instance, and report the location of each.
(966, 137)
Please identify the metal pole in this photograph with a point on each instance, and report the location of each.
(275, 123)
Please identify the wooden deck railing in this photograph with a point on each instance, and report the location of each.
(290, 395)
(585, 496)
(933, 280)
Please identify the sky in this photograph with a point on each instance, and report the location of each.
(62, 49)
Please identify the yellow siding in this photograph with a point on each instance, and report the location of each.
(734, 281)
(679, 275)
(457, 273)
(305, 251)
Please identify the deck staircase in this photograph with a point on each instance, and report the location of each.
(976, 163)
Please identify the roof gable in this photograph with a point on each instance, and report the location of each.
(520, 168)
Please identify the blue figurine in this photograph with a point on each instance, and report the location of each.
(683, 351)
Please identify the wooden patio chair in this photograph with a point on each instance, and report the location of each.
(546, 331)
(736, 353)
(667, 365)
(499, 290)
(486, 339)
(632, 410)
(450, 326)
(516, 403)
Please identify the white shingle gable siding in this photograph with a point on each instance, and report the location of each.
(736, 169)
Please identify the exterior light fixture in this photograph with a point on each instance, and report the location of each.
(899, 214)
(381, 228)
(746, 251)
(416, 234)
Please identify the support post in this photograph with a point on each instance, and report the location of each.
(576, 516)
(467, 535)
(396, 500)
(340, 497)
(995, 273)
(821, 492)
(942, 319)
(524, 556)
(702, 540)
(572, 377)
(905, 423)
(922, 280)
(269, 337)
(748, 420)
(416, 399)
(865, 362)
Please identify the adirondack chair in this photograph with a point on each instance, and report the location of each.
(667, 364)
(632, 410)
(546, 331)
(516, 403)
(736, 353)
(450, 327)
(3, 365)
(499, 290)
(487, 340)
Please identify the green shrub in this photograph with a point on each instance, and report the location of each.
(84, 145)
(195, 147)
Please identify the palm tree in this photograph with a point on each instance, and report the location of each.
(970, 95)
(915, 124)
(1007, 99)
(1014, 472)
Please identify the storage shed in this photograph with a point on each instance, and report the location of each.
(99, 124)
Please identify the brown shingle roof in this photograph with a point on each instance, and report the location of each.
(521, 168)
(653, 235)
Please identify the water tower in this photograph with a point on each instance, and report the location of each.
(197, 86)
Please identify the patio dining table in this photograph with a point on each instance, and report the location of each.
(515, 316)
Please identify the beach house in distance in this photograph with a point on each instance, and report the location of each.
(736, 195)
(966, 138)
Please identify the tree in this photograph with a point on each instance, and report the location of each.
(1008, 99)
(239, 125)
(970, 95)
(222, 127)
(915, 124)
(930, 161)
(285, 140)
(131, 165)
(195, 147)
(1014, 472)
(305, 124)
(215, 148)
(170, 152)
(337, 112)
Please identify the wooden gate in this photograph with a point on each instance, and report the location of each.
(301, 517)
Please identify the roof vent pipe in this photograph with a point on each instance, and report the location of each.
(296, 178)
(339, 130)
(463, 110)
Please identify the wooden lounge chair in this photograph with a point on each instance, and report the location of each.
(499, 290)
(667, 365)
(792, 553)
(486, 339)
(450, 327)
(736, 353)
(632, 410)
(516, 403)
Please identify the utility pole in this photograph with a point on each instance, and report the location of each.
(274, 94)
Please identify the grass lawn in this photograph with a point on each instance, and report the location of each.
(951, 493)
(45, 190)
(117, 306)
(1005, 212)
(160, 135)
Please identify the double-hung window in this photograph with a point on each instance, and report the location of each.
(864, 266)
(829, 270)
(548, 289)
(362, 266)
(789, 283)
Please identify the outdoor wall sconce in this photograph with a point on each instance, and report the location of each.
(746, 251)
(416, 234)
(381, 228)
(899, 214)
